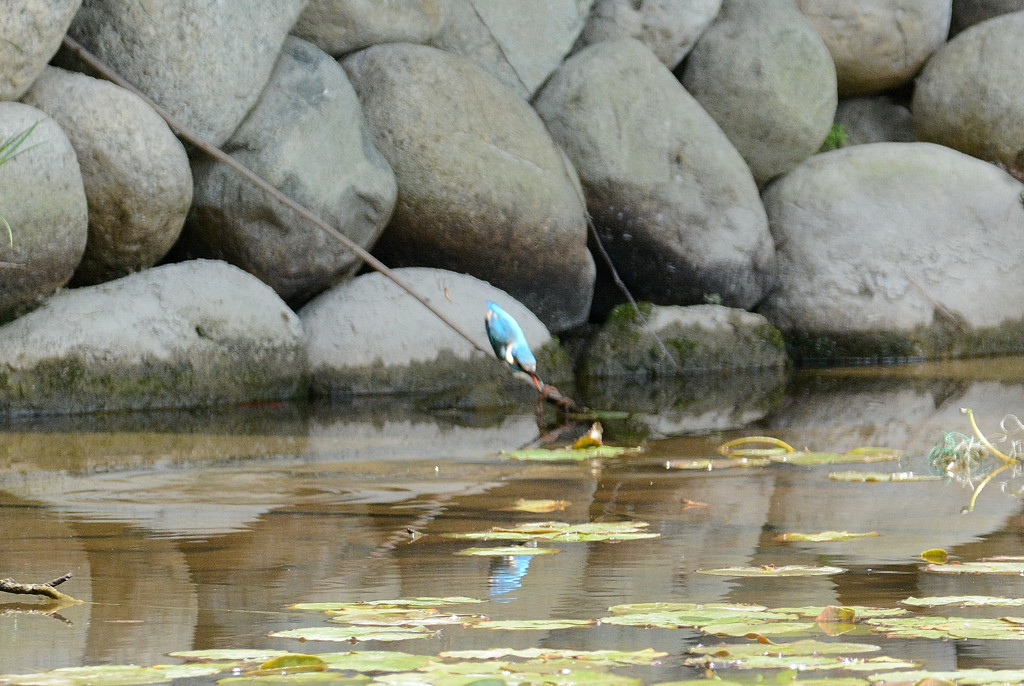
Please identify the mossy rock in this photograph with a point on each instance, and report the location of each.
(657, 341)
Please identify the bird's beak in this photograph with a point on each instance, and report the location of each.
(536, 381)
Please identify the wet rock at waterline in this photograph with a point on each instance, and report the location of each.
(30, 33)
(668, 27)
(673, 202)
(306, 136)
(660, 341)
(183, 335)
(136, 174)
(765, 52)
(968, 96)
(896, 250)
(482, 188)
(520, 42)
(341, 26)
(367, 336)
(205, 62)
(44, 203)
(878, 44)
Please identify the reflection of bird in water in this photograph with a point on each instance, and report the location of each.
(507, 574)
(509, 342)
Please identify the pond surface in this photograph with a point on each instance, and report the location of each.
(197, 531)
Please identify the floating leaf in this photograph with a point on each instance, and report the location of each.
(774, 571)
(975, 677)
(604, 657)
(540, 506)
(857, 455)
(368, 617)
(799, 661)
(936, 556)
(757, 447)
(710, 464)
(355, 633)
(376, 661)
(836, 614)
(229, 655)
(296, 679)
(294, 662)
(111, 675)
(591, 439)
(698, 617)
(569, 454)
(964, 601)
(822, 536)
(533, 624)
(989, 567)
(758, 629)
(427, 601)
(948, 627)
(508, 550)
(561, 531)
(882, 476)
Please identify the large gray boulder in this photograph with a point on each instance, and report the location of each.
(519, 42)
(42, 199)
(878, 44)
(341, 26)
(136, 174)
(897, 250)
(482, 188)
(306, 135)
(367, 336)
(968, 97)
(30, 33)
(188, 334)
(768, 80)
(206, 62)
(673, 202)
(967, 13)
(653, 341)
(668, 27)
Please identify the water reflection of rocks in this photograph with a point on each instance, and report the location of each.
(199, 539)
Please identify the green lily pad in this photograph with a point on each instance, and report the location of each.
(562, 531)
(402, 603)
(964, 601)
(858, 455)
(697, 618)
(229, 655)
(508, 550)
(844, 681)
(801, 662)
(710, 464)
(533, 624)
(602, 657)
(406, 618)
(293, 662)
(807, 646)
(989, 567)
(355, 633)
(111, 675)
(867, 477)
(373, 661)
(822, 536)
(770, 571)
(296, 679)
(949, 627)
(963, 677)
(633, 608)
(760, 629)
(569, 454)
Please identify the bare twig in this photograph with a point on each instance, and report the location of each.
(47, 590)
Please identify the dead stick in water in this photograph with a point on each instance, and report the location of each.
(47, 589)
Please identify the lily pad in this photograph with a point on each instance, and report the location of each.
(710, 464)
(983, 567)
(805, 646)
(697, 617)
(963, 677)
(885, 477)
(294, 679)
(508, 550)
(355, 633)
(603, 657)
(562, 531)
(111, 675)
(373, 661)
(533, 624)
(402, 603)
(399, 618)
(822, 536)
(294, 662)
(539, 506)
(936, 556)
(755, 446)
(229, 655)
(774, 571)
(948, 627)
(569, 454)
(964, 601)
(857, 455)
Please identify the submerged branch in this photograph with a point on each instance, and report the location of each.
(47, 590)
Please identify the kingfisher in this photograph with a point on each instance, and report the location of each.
(509, 343)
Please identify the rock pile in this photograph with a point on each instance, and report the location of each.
(545, 151)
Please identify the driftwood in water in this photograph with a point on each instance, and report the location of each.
(47, 590)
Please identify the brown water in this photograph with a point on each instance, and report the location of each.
(193, 531)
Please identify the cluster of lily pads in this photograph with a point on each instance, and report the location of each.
(744, 640)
